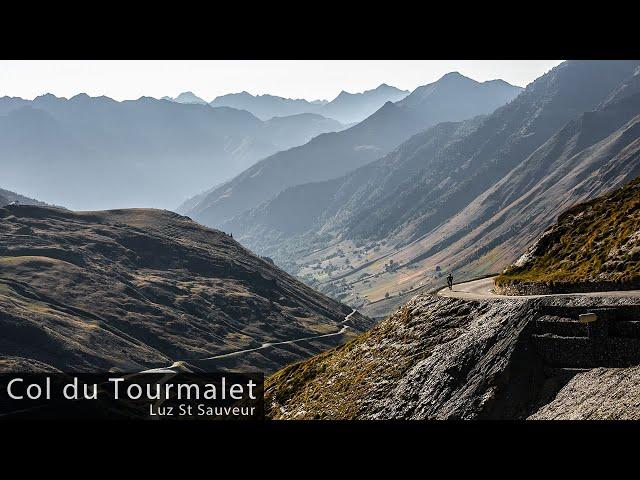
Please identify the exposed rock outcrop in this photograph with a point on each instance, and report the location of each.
(442, 358)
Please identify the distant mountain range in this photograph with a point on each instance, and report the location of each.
(346, 107)
(332, 155)
(355, 107)
(464, 197)
(93, 153)
(266, 106)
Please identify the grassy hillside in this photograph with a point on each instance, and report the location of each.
(595, 241)
(132, 289)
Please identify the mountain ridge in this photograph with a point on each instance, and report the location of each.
(330, 155)
(7, 197)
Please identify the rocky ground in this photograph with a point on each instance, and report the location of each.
(441, 358)
(599, 394)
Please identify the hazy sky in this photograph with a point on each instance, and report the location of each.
(310, 79)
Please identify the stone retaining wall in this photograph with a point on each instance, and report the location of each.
(535, 288)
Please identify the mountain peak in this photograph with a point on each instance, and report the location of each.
(80, 96)
(390, 89)
(188, 97)
(454, 76)
(47, 96)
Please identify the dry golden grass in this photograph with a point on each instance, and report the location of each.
(594, 241)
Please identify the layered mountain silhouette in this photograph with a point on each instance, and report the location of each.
(127, 290)
(467, 197)
(332, 155)
(91, 153)
(346, 108)
(355, 107)
(298, 129)
(266, 106)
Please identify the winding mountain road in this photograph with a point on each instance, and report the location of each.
(261, 347)
(275, 344)
(482, 289)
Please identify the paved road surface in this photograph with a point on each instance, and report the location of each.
(483, 289)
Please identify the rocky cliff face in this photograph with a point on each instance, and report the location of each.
(439, 358)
